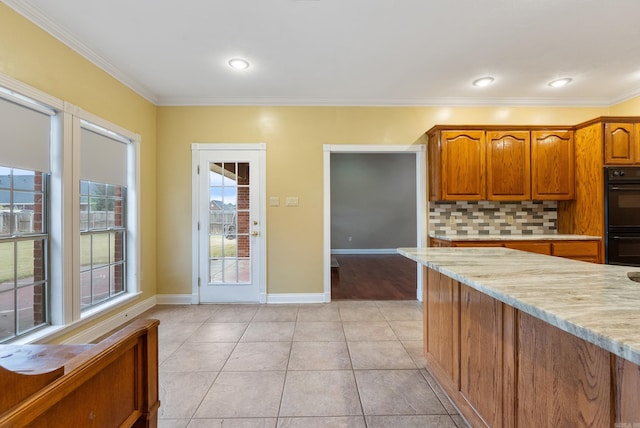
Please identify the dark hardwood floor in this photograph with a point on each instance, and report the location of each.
(373, 277)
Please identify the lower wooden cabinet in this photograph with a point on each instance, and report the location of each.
(587, 251)
(505, 368)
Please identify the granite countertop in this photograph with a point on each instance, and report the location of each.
(545, 237)
(594, 302)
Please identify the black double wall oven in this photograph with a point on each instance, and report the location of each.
(622, 215)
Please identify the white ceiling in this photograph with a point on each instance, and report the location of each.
(356, 52)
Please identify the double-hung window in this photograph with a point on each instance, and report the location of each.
(103, 215)
(24, 206)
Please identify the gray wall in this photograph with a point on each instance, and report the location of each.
(373, 200)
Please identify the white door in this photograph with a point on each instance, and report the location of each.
(230, 224)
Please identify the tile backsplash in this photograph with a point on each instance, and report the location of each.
(493, 218)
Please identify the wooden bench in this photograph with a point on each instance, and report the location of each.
(113, 383)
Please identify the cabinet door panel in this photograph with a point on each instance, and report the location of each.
(509, 165)
(463, 165)
(563, 381)
(441, 322)
(531, 247)
(576, 250)
(552, 165)
(481, 354)
(620, 144)
(477, 244)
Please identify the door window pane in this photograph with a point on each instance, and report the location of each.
(229, 226)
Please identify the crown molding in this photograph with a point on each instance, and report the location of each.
(425, 102)
(34, 15)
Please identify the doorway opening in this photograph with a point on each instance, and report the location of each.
(365, 220)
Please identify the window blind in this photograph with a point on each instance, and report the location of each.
(25, 137)
(102, 159)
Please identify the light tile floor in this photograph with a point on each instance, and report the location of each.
(342, 364)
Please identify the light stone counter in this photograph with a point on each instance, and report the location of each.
(594, 302)
(544, 237)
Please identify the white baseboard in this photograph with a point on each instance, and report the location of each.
(296, 298)
(187, 299)
(365, 251)
(111, 323)
(174, 299)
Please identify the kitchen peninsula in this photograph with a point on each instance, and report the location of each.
(522, 339)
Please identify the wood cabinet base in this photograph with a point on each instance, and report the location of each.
(504, 368)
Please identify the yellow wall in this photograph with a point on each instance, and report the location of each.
(627, 108)
(32, 56)
(295, 137)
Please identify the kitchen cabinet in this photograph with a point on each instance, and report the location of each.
(552, 165)
(460, 166)
(583, 250)
(518, 370)
(508, 165)
(500, 163)
(621, 143)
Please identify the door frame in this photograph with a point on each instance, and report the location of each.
(261, 275)
(421, 200)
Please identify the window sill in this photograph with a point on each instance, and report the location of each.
(49, 334)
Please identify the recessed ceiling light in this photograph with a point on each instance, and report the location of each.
(559, 83)
(239, 63)
(483, 81)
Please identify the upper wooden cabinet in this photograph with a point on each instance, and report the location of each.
(508, 165)
(463, 165)
(621, 143)
(552, 165)
(489, 163)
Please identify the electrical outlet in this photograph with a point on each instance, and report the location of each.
(452, 220)
(509, 219)
(349, 239)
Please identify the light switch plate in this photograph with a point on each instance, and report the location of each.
(292, 201)
(274, 201)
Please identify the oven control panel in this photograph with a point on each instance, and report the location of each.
(621, 173)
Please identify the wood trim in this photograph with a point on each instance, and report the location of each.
(605, 119)
(114, 382)
(437, 128)
(509, 365)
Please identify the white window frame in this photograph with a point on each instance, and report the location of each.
(83, 119)
(64, 215)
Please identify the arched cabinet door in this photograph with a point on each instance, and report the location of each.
(552, 165)
(508, 165)
(621, 144)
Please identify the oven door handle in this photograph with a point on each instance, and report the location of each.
(625, 237)
(625, 189)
